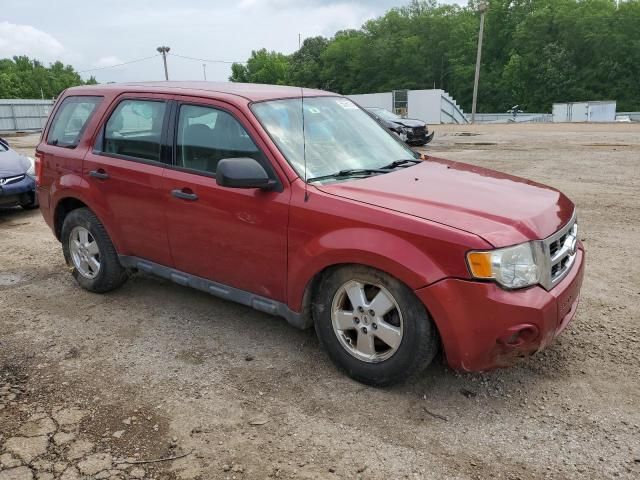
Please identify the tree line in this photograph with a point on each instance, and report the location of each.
(23, 77)
(536, 52)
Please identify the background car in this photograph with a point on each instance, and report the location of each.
(411, 131)
(17, 178)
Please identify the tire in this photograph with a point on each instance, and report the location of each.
(109, 274)
(33, 204)
(418, 340)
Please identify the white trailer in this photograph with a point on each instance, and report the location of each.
(594, 111)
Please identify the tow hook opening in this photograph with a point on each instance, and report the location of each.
(519, 335)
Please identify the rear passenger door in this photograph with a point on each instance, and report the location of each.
(124, 173)
(237, 237)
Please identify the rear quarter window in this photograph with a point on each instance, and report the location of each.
(71, 119)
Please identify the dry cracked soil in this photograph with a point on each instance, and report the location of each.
(156, 381)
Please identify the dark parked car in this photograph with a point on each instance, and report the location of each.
(17, 178)
(411, 131)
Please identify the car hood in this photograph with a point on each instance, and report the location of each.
(12, 163)
(502, 209)
(409, 122)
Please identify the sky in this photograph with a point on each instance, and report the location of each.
(91, 34)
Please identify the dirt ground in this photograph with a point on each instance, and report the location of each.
(90, 384)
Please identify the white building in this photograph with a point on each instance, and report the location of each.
(430, 106)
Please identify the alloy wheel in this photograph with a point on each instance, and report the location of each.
(367, 321)
(85, 252)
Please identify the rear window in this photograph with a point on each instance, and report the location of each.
(71, 119)
(134, 129)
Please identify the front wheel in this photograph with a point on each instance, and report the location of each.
(89, 252)
(373, 326)
(32, 203)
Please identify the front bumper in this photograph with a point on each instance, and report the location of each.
(484, 327)
(420, 138)
(17, 193)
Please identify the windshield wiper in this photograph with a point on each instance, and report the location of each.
(350, 172)
(399, 163)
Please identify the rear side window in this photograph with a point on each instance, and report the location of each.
(134, 129)
(207, 135)
(71, 119)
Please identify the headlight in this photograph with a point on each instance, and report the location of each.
(32, 168)
(511, 267)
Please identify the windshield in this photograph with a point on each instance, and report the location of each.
(386, 114)
(338, 135)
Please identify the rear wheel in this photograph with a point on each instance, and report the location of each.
(373, 326)
(88, 250)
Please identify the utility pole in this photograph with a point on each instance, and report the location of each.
(482, 8)
(204, 71)
(164, 51)
(299, 41)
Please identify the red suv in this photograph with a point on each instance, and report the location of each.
(299, 204)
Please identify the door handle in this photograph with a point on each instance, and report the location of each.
(100, 173)
(185, 194)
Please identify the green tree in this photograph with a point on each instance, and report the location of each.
(306, 64)
(262, 67)
(23, 77)
(536, 52)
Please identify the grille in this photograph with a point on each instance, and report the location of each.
(559, 253)
(9, 180)
(419, 130)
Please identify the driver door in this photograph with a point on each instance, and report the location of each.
(237, 237)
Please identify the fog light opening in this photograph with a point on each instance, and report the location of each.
(519, 335)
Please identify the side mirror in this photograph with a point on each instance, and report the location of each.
(243, 173)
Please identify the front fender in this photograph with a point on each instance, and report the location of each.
(366, 246)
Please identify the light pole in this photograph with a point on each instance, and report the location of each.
(204, 71)
(482, 8)
(164, 51)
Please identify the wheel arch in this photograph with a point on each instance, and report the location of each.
(63, 208)
(67, 201)
(384, 251)
(312, 285)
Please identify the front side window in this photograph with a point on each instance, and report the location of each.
(134, 129)
(337, 135)
(206, 135)
(71, 119)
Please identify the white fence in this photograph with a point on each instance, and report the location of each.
(633, 116)
(509, 118)
(17, 115)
